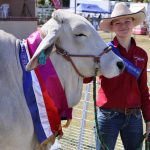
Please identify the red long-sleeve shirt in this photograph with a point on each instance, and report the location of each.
(125, 91)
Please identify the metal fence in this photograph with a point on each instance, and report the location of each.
(80, 134)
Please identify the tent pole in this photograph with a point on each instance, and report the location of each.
(75, 7)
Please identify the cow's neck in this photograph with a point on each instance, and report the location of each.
(71, 82)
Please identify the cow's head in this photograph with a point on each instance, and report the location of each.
(76, 35)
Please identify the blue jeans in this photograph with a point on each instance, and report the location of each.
(111, 123)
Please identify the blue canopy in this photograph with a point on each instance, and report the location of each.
(91, 8)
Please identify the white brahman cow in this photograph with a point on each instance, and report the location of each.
(70, 33)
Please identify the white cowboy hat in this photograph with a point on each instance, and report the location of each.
(121, 10)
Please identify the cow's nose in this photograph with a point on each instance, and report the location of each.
(120, 65)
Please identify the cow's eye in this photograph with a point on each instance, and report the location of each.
(81, 34)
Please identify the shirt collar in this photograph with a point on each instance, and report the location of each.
(116, 43)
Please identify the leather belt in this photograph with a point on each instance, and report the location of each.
(126, 111)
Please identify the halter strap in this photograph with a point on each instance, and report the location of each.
(68, 56)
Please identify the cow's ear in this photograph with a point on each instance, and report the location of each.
(46, 46)
(52, 30)
(42, 48)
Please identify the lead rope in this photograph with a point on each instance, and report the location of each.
(104, 147)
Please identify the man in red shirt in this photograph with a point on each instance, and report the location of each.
(121, 99)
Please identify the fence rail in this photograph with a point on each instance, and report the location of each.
(80, 134)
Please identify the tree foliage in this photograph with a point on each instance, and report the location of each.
(65, 3)
(41, 2)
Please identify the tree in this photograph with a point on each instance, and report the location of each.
(41, 2)
(65, 3)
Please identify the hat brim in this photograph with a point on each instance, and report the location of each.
(138, 17)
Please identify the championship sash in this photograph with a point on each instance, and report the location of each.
(50, 79)
(130, 67)
(43, 92)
